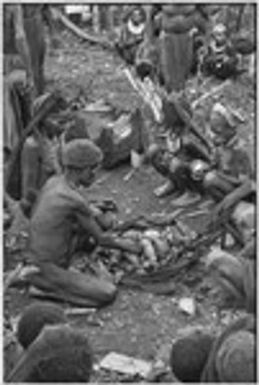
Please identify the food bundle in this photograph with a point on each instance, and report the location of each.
(159, 246)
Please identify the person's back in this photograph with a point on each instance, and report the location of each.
(51, 229)
(229, 357)
(59, 354)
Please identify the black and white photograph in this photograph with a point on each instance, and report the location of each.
(129, 192)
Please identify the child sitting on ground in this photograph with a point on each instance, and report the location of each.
(220, 59)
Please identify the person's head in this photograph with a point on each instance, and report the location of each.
(189, 355)
(59, 354)
(138, 15)
(81, 159)
(76, 130)
(198, 169)
(236, 359)
(159, 158)
(219, 33)
(222, 124)
(34, 318)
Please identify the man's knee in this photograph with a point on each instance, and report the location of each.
(30, 166)
(30, 150)
(109, 293)
(210, 179)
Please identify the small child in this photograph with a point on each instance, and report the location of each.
(221, 59)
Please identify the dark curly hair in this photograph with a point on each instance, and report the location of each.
(189, 355)
(34, 318)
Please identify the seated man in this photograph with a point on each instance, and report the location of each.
(228, 178)
(229, 357)
(220, 59)
(31, 323)
(59, 210)
(183, 146)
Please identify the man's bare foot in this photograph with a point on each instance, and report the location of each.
(165, 189)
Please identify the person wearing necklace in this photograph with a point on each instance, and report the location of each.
(131, 34)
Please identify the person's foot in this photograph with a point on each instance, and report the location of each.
(187, 199)
(164, 190)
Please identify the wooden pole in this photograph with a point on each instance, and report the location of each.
(46, 107)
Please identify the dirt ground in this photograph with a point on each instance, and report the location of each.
(138, 324)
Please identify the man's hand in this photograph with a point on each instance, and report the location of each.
(130, 246)
(222, 211)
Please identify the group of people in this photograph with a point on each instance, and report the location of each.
(62, 221)
(172, 42)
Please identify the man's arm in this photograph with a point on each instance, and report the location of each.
(234, 197)
(106, 239)
(240, 193)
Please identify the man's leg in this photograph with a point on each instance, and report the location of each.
(216, 186)
(74, 287)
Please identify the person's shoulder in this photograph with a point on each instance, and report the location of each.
(240, 151)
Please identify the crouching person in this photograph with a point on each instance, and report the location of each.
(60, 353)
(59, 210)
(31, 323)
(229, 357)
(183, 147)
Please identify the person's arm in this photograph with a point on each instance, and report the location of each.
(249, 251)
(235, 196)
(106, 239)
